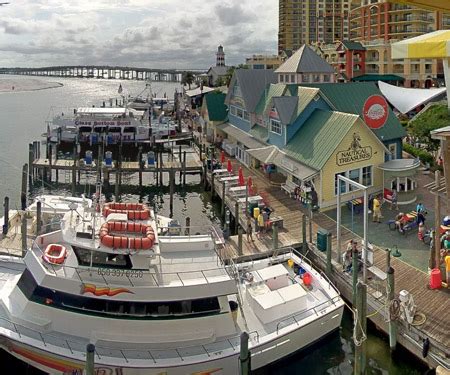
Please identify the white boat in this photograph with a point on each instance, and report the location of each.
(100, 124)
(166, 308)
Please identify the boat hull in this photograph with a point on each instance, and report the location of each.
(262, 354)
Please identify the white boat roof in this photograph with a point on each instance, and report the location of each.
(101, 111)
(58, 204)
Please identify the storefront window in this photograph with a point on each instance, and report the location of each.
(305, 78)
(239, 113)
(354, 176)
(342, 184)
(233, 110)
(275, 126)
(367, 176)
(246, 116)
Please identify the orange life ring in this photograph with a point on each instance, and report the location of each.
(55, 254)
(135, 211)
(124, 242)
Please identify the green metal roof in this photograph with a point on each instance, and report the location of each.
(378, 77)
(319, 136)
(260, 132)
(274, 89)
(350, 98)
(215, 103)
(353, 46)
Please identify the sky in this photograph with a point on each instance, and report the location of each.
(140, 33)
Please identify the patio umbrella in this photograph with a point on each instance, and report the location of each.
(241, 177)
(222, 157)
(435, 45)
(250, 185)
(229, 166)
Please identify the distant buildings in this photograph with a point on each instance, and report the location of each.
(217, 73)
(264, 61)
(308, 21)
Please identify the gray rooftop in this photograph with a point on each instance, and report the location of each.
(286, 106)
(305, 60)
(252, 83)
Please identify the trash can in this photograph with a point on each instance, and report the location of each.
(322, 240)
(151, 158)
(88, 158)
(108, 158)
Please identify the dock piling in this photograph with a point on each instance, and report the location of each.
(240, 232)
(236, 216)
(23, 230)
(361, 329)
(244, 356)
(30, 163)
(141, 167)
(329, 265)
(304, 232)
(275, 235)
(222, 206)
(23, 194)
(391, 294)
(90, 353)
(184, 168)
(188, 226)
(172, 189)
(38, 217)
(5, 215)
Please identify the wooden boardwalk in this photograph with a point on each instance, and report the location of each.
(433, 304)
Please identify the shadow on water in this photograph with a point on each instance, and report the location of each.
(335, 355)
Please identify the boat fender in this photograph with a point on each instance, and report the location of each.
(425, 347)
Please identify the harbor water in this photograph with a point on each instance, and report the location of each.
(23, 113)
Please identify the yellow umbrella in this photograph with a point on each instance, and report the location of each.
(443, 5)
(435, 45)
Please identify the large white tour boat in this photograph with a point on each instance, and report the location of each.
(155, 300)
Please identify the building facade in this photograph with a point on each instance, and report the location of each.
(378, 23)
(264, 61)
(307, 21)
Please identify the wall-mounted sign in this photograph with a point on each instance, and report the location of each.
(354, 153)
(376, 111)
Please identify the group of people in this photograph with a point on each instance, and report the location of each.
(262, 224)
(306, 195)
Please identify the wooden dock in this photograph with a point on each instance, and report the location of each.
(432, 305)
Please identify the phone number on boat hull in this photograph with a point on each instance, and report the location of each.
(120, 273)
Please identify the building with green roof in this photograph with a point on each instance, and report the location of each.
(213, 112)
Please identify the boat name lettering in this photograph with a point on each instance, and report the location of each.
(103, 123)
(120, 272)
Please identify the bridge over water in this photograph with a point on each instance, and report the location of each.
(106, 72)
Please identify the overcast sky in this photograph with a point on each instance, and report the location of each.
(143, 33)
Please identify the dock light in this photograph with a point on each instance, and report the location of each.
(396, 252)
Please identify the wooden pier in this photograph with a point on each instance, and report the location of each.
(299, 231)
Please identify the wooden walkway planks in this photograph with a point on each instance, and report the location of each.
(434, 304)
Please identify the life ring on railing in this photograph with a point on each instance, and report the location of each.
(55, 254)
(135, 211)
(124, 242)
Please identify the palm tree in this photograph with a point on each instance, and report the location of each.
(188, 79)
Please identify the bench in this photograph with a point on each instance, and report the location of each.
(289, 187)
(377, 272)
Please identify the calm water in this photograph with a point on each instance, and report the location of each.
(22, 119)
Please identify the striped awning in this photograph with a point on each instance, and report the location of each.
(428, 46)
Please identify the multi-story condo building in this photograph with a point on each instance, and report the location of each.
(307, 21)
(383, 19)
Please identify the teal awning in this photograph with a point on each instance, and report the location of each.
(378, 77)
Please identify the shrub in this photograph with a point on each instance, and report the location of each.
(424, 156)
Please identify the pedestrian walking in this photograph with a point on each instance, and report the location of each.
(377, 209)
(260, 221)
(394, 200)
(249, 230)
(447, 268)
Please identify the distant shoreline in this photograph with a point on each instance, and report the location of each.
(8, 85)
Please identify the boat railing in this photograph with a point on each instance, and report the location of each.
(314, 309)
(55, 343)
(134, 277)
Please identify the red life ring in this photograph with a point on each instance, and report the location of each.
(124, 242)
(55, 254)
(135, 211)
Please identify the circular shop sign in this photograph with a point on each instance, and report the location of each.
(375, 111)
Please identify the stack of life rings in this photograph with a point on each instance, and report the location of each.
(55, 254)
(123, 242)
(135, 211)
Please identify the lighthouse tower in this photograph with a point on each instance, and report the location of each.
(220, 57)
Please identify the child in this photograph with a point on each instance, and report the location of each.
(421, 232)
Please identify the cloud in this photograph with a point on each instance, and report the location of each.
(157, 33)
